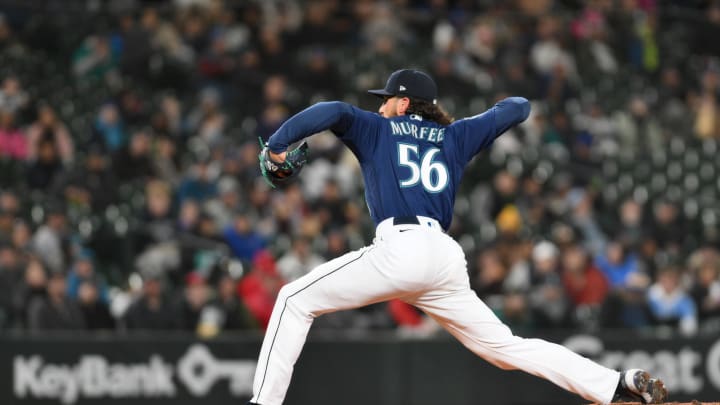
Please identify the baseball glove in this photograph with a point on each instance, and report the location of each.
(276, 173)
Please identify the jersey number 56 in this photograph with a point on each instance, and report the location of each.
(433, 174)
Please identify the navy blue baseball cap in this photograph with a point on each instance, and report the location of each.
(409, 83)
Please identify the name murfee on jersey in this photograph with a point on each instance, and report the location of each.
(430, 134)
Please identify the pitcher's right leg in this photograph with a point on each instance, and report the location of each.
(353, 280)
(290, 323)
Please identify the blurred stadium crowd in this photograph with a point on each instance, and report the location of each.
(130, 197)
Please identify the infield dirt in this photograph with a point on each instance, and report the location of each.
(668, 403)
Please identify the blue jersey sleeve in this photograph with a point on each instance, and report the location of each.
(355, 127)
(476, 133)
(334, 115)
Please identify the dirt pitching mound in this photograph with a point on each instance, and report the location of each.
(669, 403)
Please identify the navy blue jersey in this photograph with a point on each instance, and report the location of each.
(410, 166)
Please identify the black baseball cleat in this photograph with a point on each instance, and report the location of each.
(638, 385)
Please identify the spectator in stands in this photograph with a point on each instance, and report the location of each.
(48, 129)
(57, 311)
(96, 314)
(13, 98)
(299, 260)
(137, 44)
(317, 26)
(200, 182)
(236, 315)
(270, 119)
(243, 240)
(95, 59)
(671, 304)
(640, 126)
(277, 90)
(8, 42)
(649, 255)
(594, 53)
(83, 272)
(208, 229)
(627, 307)
(13, 143)
(505, 191)
(133, 162)
(7, 221)
(158, 220)
(32, 289)
(194, 300)
(318, 75)
(288, 210)
(272, 50)
(188, 216)
(707, 124)
(248, 79)
(177, 55)
(705, 290)
(216, 64)
(618, 265)
(42, 172)
(702, 42)
(13, 150)
(515, 311)
(11, 204)
(152, 310)
(196, 234)
(548, 55)
(337, 243)
(206, 121)
(259, 288)
(166, 160)
(377, 59)
(50, 242)
(630, 223)
(109, 132)
(584, 284)
(547, 295)
(92, 185)
(11, 274)
(240, 164)
(166, 121)
(133, 109)
(489, 277)
(330, 206)
(259, 200)
(409, 320)
(582, 217)
(447, 78)
(668, 227)
(194, 30)
(672, 109)
(481, 43)
(21, 238)
(223, 208)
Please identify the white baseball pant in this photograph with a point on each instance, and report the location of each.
(425, 267)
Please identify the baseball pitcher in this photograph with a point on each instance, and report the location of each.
(412, 156)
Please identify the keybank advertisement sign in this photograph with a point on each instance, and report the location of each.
(152, 370)
(93, 376)
(686, 366)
